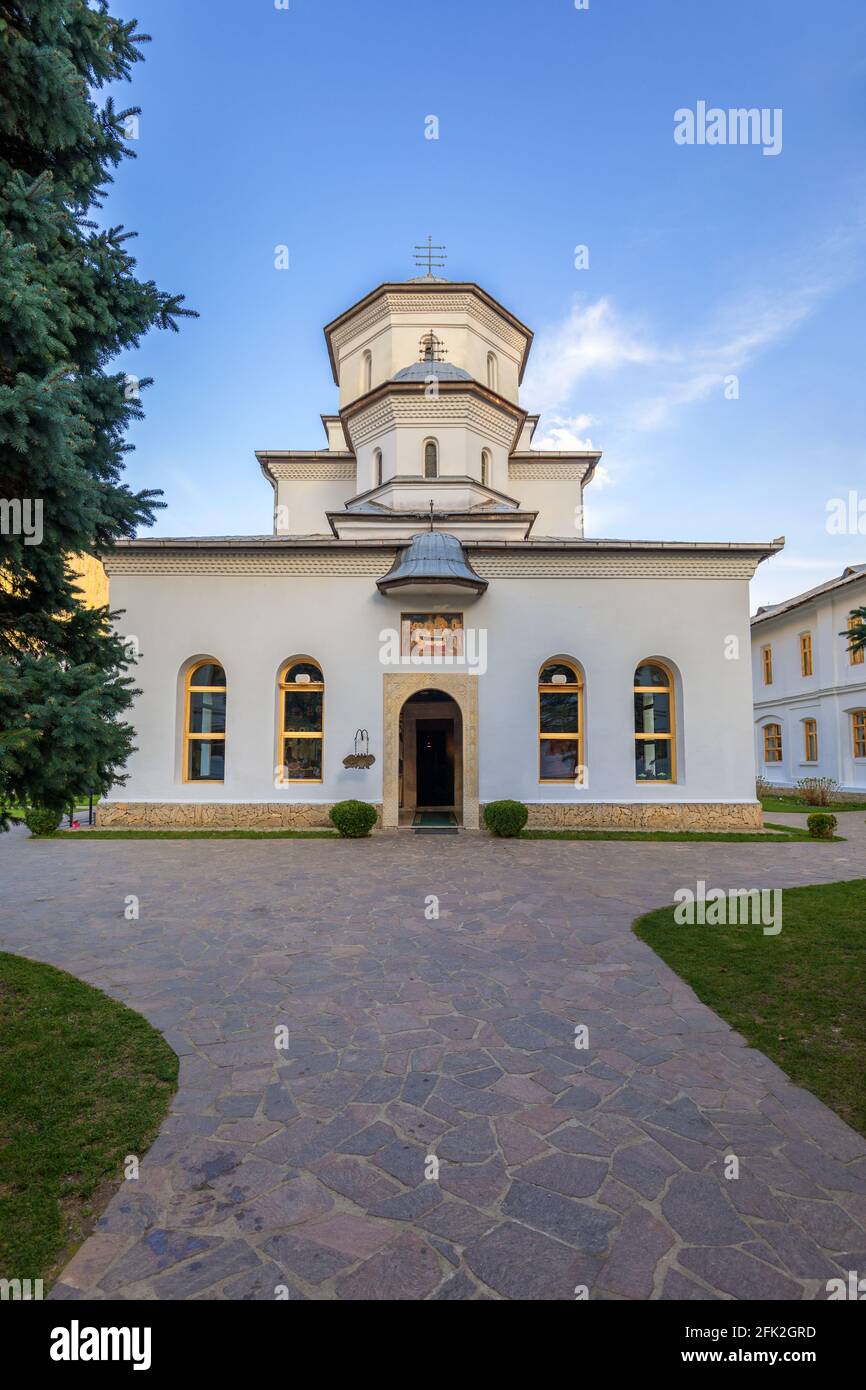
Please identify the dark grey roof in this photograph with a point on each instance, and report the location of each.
(443, 371)
(432, 557)
(773, 610)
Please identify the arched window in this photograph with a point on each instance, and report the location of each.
(485, 467)
(366, 371)
(492, 371)
(858, 732)
(377, 461)
(810, 740)
(204, 757)
(431, 459)
(772, 743)
(654, 732)
(560, 722)
(302, 721)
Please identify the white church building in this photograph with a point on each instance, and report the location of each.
(427, 628)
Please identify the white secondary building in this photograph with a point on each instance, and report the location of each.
(428, 608)
(810, 691)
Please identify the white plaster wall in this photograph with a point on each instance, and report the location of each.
(558, 502)
(305, 502)
(252, 624)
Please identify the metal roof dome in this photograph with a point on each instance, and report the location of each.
(432, 559)
(421, 371)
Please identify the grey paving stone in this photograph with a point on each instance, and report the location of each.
(696, 1207)
(304, 1258)
(641, 1243)
(524, 1264)
(231, 1257)
(739, 1275)
(379, 1009)
(570, 1174)
(581, 1226)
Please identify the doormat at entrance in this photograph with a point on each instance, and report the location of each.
(441, 819)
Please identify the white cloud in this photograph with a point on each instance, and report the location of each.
(565, 432)
(597, 339)
(592, 338)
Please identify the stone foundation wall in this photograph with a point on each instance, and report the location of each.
(657, 815)
(212, 815)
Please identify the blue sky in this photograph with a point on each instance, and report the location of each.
(305, 127)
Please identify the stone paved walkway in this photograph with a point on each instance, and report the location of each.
(451, 1037)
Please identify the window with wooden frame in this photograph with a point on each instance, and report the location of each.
(855, 658)
(810, 740)
(806, 653)
(767, 664)
(772, 743)
(858, 731)
(204, 753)
(560, 722)
(302, 721)
(431, 459)
(654, 724)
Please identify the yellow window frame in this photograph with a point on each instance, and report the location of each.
(190, 737)
(805, 654)
(858, 732)
(767, 664)
(810, 740)
(284, 686)
(655, 738)
(547, 687)
(772, 743)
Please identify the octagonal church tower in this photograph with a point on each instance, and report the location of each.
(429, 375)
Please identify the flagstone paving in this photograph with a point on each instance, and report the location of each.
(306, 1171)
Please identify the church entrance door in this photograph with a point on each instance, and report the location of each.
(434, 762)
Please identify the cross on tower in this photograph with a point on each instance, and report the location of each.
(429, 255)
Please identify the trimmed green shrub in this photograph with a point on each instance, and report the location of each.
(505, 818)
(41, 820)
(353, 819)
(821, 826)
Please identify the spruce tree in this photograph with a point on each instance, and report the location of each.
(69, 303)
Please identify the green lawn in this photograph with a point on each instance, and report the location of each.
(779, 834)
(792, 803)
(84, 1082)
(797, 996)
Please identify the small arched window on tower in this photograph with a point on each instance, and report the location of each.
(492, 371)
(366, 371)
(431, 459)
(377, 463)
(485, 467)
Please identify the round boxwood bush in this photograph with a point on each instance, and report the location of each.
(353, 818)
(41, 820)
(505, 818)
(821, 826)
